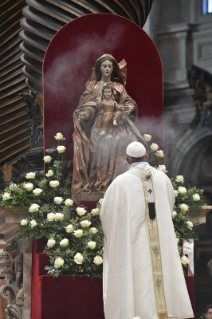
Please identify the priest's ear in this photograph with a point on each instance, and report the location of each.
(146, 157)
(127, 160)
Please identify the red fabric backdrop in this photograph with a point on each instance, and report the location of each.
(70, 57)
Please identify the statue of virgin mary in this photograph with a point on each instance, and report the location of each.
(98, 158)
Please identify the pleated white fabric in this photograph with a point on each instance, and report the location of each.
(128, 274)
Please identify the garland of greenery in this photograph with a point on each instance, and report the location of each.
(74, 235)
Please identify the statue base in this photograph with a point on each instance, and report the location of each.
(88, 197)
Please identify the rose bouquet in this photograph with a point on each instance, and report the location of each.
(74, 235)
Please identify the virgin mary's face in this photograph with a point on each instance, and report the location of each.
(106, 68)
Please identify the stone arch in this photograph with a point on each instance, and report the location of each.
(192, 158)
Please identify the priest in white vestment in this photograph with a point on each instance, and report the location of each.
(142, 275)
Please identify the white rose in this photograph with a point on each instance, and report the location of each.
(184, 207)
(30, 175)
(58, 200)
(147, 137)
(78, 233)
(92, 244)
(159, 153)
(37, 191)
(174, 214)
(80, 211)
(34, 208)
(189, 224)
(78, 258)
(179, 179)
(6, 196)
(33, 223)
(175, 193)
(24, 222)
(68, 202)
(93, 230)
(51, 243)
(51, 217)
(28, 186)
(85, 223)
(101, 201)
(13, 186)
(196, 197)
(184, 260)
(54, 184)
(59, 137)
(59, 262)
(61, 149)
(154, 146)
(59, 216)
(136, 318)
(50, 173)
(177, 240)
(64, 242)
(95, 211)
(98, 260)
(69, 228)
(162, 168)
(182, 190)
(47, 159)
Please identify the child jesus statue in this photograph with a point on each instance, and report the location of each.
(112, 109)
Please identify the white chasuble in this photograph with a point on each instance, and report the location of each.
(143, 275)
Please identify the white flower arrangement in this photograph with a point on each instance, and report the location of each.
(80, 211)
(59, 137)
(154, 146)
(59, 262)
(54, 184)
(179, 179)
(182, 190)
(78, 258)
(59, 216)
(51, 217)
(6, 196)
(76, 242)
(47, 159)
(64, 242)
(37, 191)
(61, 149)
(58, 200)
(85, 223)
(51, 243)
(69, 228)
(162, 168)
(68, 202)
(50, 173)
(78, 233)
(184, 260)
(147, 137)
(29, 187)
(196, 197)
(98, 260)
(159, 153)
(34, 208)
(30, 175)
(33, 223)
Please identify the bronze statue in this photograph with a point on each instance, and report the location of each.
(104, 124)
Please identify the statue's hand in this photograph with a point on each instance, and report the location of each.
(83, 115)
(129, 108)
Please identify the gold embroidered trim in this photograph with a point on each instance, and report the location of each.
(156, 260)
